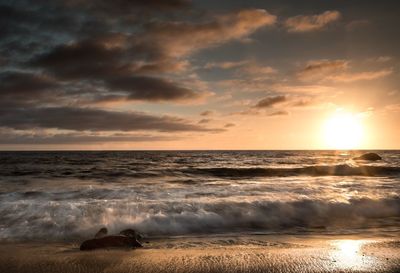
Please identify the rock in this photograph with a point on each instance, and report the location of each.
(110, 241)
(126, 238)
(101, 233)
(369, 157)
(131, 233)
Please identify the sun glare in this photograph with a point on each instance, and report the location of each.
(348, 254)
(343, 131)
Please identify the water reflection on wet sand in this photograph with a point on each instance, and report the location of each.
(213, 254)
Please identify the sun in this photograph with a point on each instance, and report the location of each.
(343, 131)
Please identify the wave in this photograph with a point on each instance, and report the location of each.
(111, 175)
(323, 170)
(67, 220)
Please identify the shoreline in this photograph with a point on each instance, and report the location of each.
(253, 253)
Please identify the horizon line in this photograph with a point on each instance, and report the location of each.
(195, 150)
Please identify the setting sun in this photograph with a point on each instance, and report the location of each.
(343, 131)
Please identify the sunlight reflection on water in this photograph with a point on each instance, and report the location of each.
(348, 254)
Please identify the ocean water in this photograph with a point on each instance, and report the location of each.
(63, 196)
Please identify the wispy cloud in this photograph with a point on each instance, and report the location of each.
(278, 113)
(225, 65)
(306, 23)
(204, 121)
(360, 76)
(207, 113)
(270, 101)
(338, 71)
(309, 89)
(319, 68)
(256, 70)
(229, 125)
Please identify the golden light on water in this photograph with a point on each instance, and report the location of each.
(343, 131)
(349, 248)
(348, 254)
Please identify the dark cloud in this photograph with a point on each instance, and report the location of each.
(74, 138)
(3, 61)
(103, 60)
(204, 121)
(271, 101)
(106, 56)
(22, 87)
(33, 27)
(151, 89)
(86, 119)
(279, 113)
(207, 113)
(21, 82)
(152, 47)
(122, 62)
(127, 7)
(87, 59)
(266, 104)
(39, 20)
(93, 52)
(229, 125)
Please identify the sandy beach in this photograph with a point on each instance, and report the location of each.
(212, 254)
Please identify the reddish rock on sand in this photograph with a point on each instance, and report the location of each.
(110, 241)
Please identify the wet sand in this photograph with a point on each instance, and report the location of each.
(215, 254)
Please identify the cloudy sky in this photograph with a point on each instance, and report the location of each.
(200, 74)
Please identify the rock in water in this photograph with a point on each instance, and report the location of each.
(110, 241)
(369, 156)
(101, 233)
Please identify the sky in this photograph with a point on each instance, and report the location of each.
(201, 74)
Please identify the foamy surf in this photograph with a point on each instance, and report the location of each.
(65, 196)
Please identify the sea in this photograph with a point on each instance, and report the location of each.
(68, 195)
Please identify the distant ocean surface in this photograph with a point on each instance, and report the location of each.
(61, 196)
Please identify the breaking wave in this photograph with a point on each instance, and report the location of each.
(74, 220)
(70, 195)
(334, 170)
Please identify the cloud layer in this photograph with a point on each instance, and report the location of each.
(125, 70)
(91, 59)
